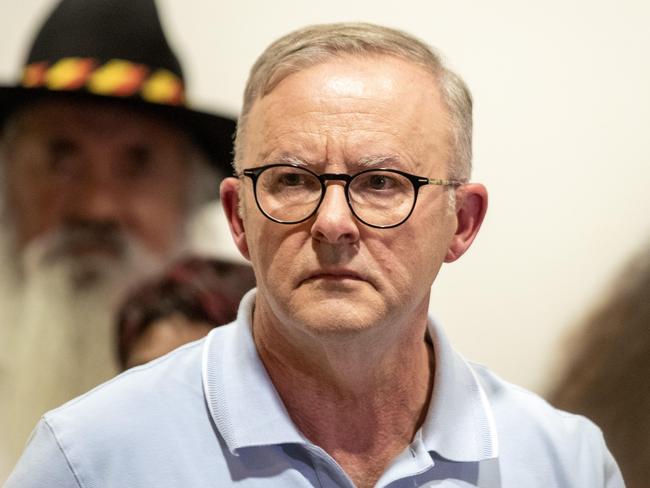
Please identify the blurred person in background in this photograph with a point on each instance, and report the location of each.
(607, 378)
(191, 298)
(102, 164)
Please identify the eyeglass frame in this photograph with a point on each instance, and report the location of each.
(416, 181)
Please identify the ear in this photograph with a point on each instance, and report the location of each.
(471, 205)
(229, 191)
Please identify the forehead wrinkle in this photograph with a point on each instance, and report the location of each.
(323, 130)
(336, 147)
(307, 148)
(290, 149)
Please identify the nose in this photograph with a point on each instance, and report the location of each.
(334, 221)
(95, 197)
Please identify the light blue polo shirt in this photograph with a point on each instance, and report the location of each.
(207, 415)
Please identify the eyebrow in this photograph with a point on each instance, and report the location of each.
(290, 159)
(366, 162)
(379, 160)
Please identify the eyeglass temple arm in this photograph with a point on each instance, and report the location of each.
(441, 182)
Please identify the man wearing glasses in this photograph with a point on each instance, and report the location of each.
(353, 161)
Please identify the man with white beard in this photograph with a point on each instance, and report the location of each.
(101, 167)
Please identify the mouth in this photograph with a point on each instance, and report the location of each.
(78, 246)
(80, 250)
(333, 276)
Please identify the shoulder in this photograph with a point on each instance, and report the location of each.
(139, 390)
(165, 389)
(534, 434)
(145, 391)
(511, 403)
(121, 424)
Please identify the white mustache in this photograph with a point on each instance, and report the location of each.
(62, 243)
(66, 240)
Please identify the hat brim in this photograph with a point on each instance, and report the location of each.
(212, 133)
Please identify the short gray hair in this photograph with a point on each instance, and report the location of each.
(316, 44)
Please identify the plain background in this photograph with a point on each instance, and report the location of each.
(562, 115)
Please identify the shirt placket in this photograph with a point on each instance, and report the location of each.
(328, 471)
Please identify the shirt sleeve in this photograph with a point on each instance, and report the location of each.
(595, 448)
(43, 463)
(613, 476)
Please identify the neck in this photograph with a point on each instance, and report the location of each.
(359, 396)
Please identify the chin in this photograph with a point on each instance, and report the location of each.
(340, 315)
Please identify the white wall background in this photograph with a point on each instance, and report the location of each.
(562, 122)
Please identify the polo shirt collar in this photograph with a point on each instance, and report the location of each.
(242, 400)
(247, 410)
(460, 424)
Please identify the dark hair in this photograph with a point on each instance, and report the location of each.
(608, 376)
(202, 290)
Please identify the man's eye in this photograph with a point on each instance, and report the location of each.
(379, 182)
(138, 162)
(61, 157)
(291, 179)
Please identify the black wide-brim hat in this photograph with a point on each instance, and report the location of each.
(115, 51)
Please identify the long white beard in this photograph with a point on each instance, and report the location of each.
(56, 331)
